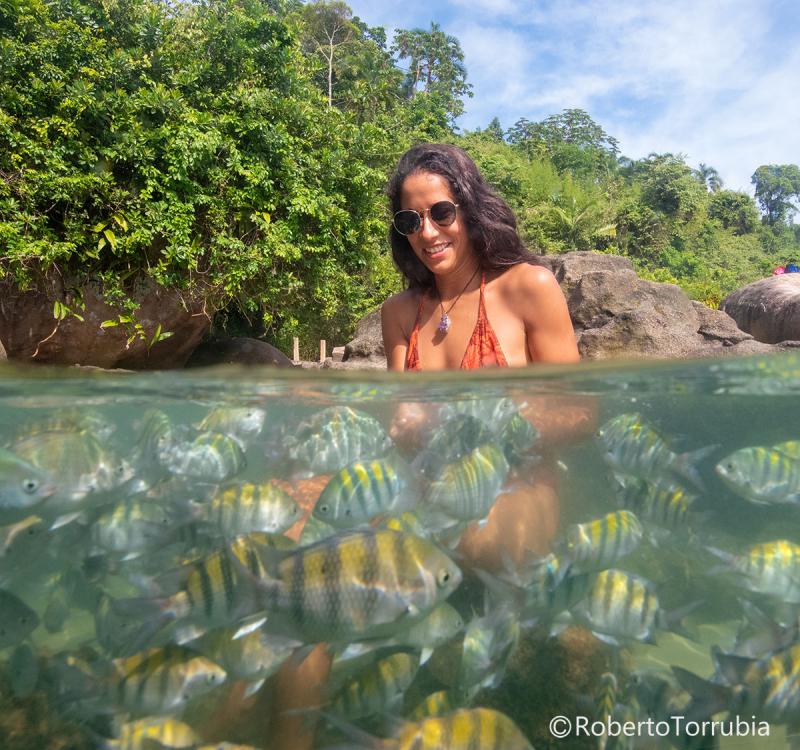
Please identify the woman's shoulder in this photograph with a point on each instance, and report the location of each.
(401, 302)
(526, 279)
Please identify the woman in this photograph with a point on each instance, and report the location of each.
(456, 243)
(474, 300)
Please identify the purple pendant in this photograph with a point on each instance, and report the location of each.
(444, 324)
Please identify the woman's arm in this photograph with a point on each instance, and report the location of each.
(395, 338)
(537, 296)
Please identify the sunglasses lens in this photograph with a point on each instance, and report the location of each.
(443, 213)
(406, 222)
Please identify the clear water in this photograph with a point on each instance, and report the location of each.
(60, 574)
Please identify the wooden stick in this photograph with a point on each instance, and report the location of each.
(296, 350)
(322, 350)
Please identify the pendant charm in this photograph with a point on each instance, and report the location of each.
(444, 324)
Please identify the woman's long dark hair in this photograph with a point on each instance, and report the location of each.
(490, 223)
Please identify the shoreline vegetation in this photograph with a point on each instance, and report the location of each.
(239, 149)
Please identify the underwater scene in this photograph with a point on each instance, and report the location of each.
(601, 556)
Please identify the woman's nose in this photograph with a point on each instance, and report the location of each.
(428, 227)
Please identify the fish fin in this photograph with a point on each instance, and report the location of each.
(66, 519)
(673, 618)
(708, 698)
(358, 736)
(250, 625)
(731, 666)
(425, 654)
(686, 465)
(609, 640)
(153, 611)
(254, 687)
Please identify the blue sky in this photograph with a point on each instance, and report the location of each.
(716, 80)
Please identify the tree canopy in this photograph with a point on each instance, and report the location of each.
(240, 149)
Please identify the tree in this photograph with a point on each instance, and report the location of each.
(734, 210)
(709, 177)
(776, 186)
(572, 140)
(328, 26)
(669, 186)
(436, 67)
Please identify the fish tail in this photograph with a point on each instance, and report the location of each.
(686, 465)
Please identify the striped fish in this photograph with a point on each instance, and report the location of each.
(771, 568)
(84, 469)
(131, 528)
(336, 437)
(206, 456)
(252, 657)
(377, 688)
(355, 585)
(518, 438)
(247, 507)
(442, 702)
(632, 446)
(163, 680)
(762, 475)
(467, 489)
(621, 606)
(493, 412)
(360, 492)
(463, 729)
(767, 688)
(457, 436)
(789, 448)
(23, 487)
(144, 734)
(667, 505)
(597, 544)
(489, 643)
(217, 590)
(243, 423)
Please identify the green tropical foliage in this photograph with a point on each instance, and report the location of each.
(239, 149)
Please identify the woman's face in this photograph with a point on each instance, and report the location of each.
(442, 249)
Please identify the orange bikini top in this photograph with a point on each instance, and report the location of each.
(483, 349)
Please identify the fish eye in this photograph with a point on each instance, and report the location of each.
(30, 486)
(443, 577)
(323, 508)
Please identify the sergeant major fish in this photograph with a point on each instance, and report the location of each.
(467, 489)
(762, 475)
(23, 487)
(632, 446)
(354, 585)
(597, 544)
(362, 491)
(335, 437)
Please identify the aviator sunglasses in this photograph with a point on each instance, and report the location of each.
(409, 221)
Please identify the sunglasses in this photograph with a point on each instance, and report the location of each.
(408, 221)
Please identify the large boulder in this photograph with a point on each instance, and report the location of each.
(31, 334)
(768, 309)
(238, 351)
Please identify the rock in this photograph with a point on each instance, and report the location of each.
(3, 354)
(570, 268)
(31, 333)
(617, 314)
(239, 351)
(366, 349)
(768, 309)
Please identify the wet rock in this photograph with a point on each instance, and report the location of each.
(368, 341)
(769, 309)
(31, 334)
(238, 350)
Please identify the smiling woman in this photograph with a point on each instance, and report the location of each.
(456, 243)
